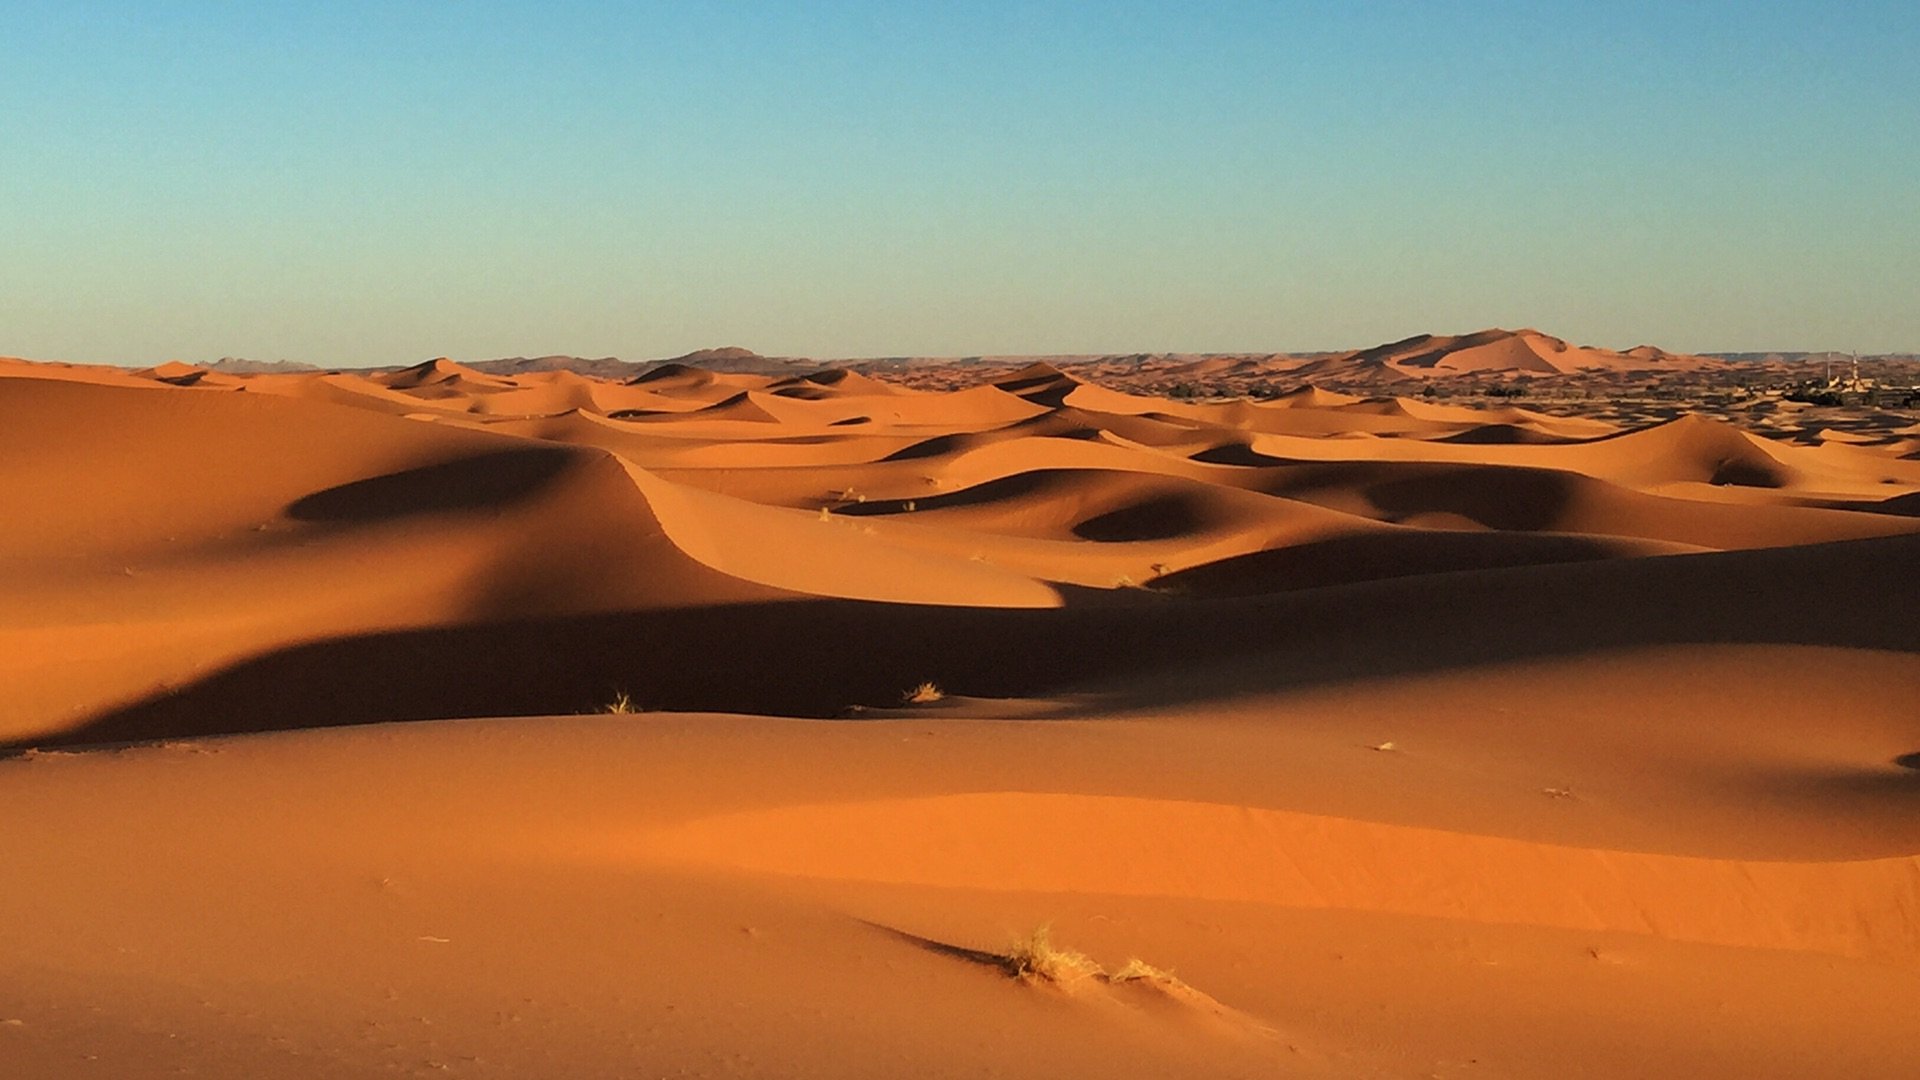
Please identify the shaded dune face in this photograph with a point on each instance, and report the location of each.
(1456, 603)
(485, 481)
(1374, 556)
(1514, 500)
(1154, 518)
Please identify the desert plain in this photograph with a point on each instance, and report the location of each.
(965, 720)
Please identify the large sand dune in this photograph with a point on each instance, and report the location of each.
(1412, 739)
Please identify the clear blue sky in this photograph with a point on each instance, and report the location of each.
(351, 183)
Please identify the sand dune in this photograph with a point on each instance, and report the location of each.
(1411, 738)
(1524, 351)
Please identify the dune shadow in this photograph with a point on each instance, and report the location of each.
(1905, 505)
(816, 657)
(472, 483)
(934, 446)
(1908, 761)
(1747, 473)
(1376, 556)
(1046, 425)
(1238, 452)
(985, 958)
(1161, 517)
(1514, 499)
(1500, 435)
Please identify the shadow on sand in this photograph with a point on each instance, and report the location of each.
(814, 658)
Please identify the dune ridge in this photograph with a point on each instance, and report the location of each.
(1145, 847)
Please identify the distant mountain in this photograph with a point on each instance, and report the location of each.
(440, 371)
(1496, 352)
(1813, 357)
(733, 359)
(237, 365)
(707, 358)
(727, 359)
(1493, 352)
(605, 367)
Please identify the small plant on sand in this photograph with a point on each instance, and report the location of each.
(621, 705)
(1138, 970)
(1037, 958)
(924, 694)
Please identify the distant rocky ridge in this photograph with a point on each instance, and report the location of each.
(1809, 357)
(730, 358)
(1491, 353)
(726, 359)
(237, 365)
(1523, 353)
(605, 367)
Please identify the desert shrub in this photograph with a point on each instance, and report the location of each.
(924, 694)
(1035, 956)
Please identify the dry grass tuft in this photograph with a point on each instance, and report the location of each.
(1036, 957)
(924, 694)
(621, 705)
(1138, 970)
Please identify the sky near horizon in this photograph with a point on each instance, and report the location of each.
(355, 183)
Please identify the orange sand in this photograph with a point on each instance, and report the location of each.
(1413, 739)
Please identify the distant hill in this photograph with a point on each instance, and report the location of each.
(1809, 357)
(238, 365)
(1491, 352)
(605, 367)
(730, 358)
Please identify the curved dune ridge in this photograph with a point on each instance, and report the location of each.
(714, 723)
(1125, 846)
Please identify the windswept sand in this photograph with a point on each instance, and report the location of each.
(1413, 739)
